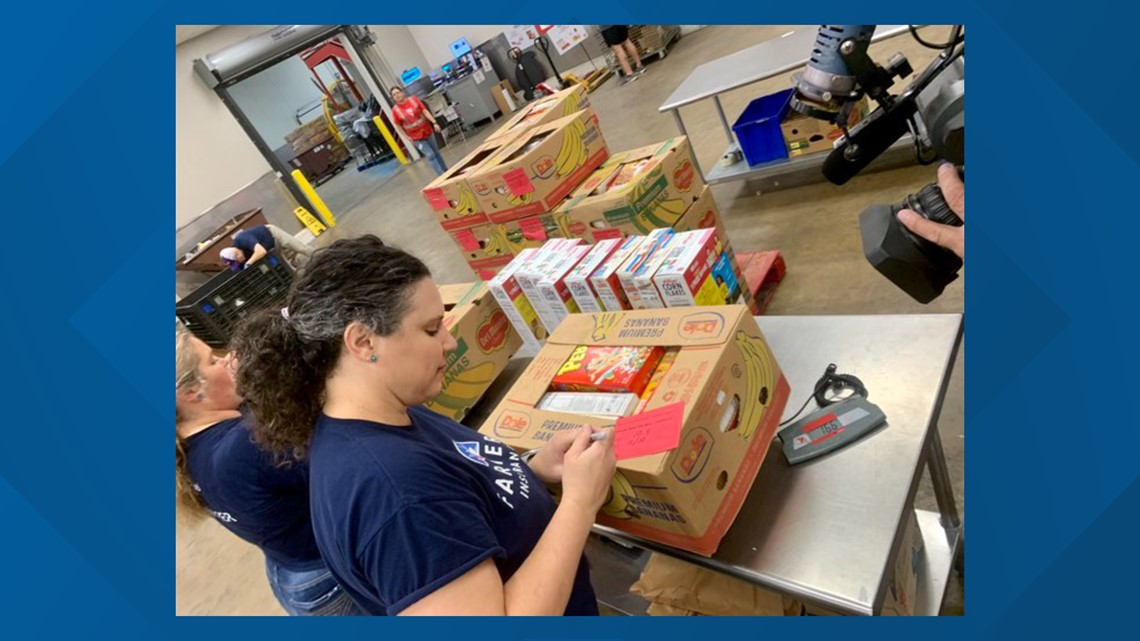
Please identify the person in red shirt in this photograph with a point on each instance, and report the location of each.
(420, 125)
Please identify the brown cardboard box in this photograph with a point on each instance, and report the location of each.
(497, 95)
(450, 196)
(531, 231)
(807, 135)
(485, 342)
(539, 168)
(665, 184)
(733, 393)
(484, 249)
(902, 586)
(548, 109)
(679, 588)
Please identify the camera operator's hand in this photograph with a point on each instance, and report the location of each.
(948, 236)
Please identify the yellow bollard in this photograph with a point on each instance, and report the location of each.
(391, 141)
(311, 194)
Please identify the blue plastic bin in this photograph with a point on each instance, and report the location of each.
(758, 128)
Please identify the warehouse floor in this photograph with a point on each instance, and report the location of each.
(815, 227)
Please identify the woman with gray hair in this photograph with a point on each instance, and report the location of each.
(220, 472)
(414, 513)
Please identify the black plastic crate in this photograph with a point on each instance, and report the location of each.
(215, 309)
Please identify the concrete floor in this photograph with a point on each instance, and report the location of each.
(814, 226)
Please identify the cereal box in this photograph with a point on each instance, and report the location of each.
(607, 369)
(578, 280)
(605, 280)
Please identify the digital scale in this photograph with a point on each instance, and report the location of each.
(830, 428)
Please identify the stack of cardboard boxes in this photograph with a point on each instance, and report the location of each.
(495, 201)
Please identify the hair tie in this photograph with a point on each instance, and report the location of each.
(285, 313)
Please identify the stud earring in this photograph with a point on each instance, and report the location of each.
(201, 397)
(373, 358)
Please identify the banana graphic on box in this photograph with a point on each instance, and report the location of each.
(573, 152)
(515, 201)
(466, 205)
(496, 244)
(616, 506)
(461, 392)
(759, 370)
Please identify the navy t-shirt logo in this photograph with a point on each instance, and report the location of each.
(470, 450)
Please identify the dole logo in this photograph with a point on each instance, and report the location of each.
(511, 424)
(701, 325)
(692, 456)
(544, 167)
(492, 334)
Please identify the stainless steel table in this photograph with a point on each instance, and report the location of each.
(760, 62)
(826, 531)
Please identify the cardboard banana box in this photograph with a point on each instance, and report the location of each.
(634, 192)
(485, 342)
(733, 393)
(484, 248)
(450, 196)
(548, 109)
(539, 168)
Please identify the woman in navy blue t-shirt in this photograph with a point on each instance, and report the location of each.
(414, 513)
(219, 471)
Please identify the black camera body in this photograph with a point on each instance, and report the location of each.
(918, 266)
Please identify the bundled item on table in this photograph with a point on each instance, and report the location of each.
(693, 394)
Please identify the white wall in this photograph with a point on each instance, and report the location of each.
(214, 158)
(271, 98)
(399, 48)
(435, 40)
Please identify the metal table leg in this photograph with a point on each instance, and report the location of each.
(681, 126)
(940, 480)
(723, 120)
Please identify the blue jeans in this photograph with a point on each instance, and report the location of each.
(430, 150)
(309, 593)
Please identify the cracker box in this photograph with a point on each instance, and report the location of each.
(605, 280)
(698, 273)
(557, 105)
(589, 403)
(578, 280)
(733, 394)
(451, 197)
(485, 341)
(505, 288)
(554, 288)
(533, 173)
(630, 269)
(615, 369)
(634, 192)
(539, 266)
(484, 249)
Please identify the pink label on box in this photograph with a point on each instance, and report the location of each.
(532, 229)
(467, 240)
(436, 199)
(518, 182)
(649, 432)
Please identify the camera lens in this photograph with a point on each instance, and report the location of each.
(931, 204)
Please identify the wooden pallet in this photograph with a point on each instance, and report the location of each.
(762, 271)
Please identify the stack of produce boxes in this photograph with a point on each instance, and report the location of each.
(461, 213)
